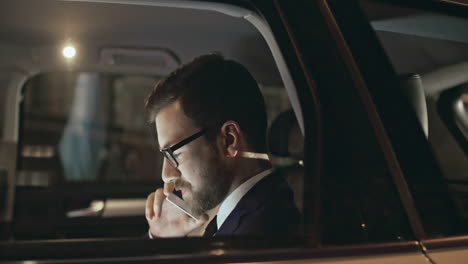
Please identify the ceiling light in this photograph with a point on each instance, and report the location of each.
(69, 52)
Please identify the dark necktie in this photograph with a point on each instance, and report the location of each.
(211, 228)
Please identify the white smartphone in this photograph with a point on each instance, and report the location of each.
(181, 205)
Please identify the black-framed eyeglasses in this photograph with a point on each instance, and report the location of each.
(168, 152)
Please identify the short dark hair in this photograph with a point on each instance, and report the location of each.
(213, 90)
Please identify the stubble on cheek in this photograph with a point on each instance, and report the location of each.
(187, 187)
(209, 181)
(213, 190)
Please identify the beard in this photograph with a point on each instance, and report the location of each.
(214, 188)
(211, 194)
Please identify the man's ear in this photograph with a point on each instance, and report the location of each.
(231, 135)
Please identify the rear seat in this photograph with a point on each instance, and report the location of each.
(286, 145)
(411, 85)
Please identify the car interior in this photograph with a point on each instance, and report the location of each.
(77, 158)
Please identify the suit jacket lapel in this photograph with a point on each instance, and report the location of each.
(250, 202)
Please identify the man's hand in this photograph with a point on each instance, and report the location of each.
(165, 220)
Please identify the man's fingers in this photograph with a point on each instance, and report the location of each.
(158, 202)
(149, 213)
(203, 218)
(168, 188)
(192, 223)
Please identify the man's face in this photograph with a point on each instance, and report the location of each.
(202, 175)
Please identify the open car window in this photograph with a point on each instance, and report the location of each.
(88, 130)
(86, 158)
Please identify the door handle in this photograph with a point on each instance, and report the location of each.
(124, 207)
(111, 208)
(95, 209)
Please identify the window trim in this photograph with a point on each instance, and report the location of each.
(214, 251)
(376, 121)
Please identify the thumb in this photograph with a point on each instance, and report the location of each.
(168, 188)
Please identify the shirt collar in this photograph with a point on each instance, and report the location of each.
(228, 205)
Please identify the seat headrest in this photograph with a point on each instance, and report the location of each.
(285, 138)
(411, 85)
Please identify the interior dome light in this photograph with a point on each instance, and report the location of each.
(69, 52)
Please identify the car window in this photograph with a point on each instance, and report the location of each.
(83, 137)
(89, 130)
(428, 53)
(93, 116)
(87, 159)
(100, 117)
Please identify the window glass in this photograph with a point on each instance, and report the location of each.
(429, 52)
(87, 158)
(85, 151)
(86, 127)
(85, 141)
(100, 117)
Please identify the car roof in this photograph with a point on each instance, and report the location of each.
(34, 32)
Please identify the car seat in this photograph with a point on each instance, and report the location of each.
(286, 145)
(411, 84)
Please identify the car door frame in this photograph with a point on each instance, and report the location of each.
(451, 248)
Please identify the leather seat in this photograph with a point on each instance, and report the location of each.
(411, 84)
(286, 145)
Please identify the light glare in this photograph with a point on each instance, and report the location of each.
(69, 52)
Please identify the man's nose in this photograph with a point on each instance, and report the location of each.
(169, 173)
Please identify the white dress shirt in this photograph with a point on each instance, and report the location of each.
(233, 199)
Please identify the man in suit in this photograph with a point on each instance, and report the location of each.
(211, 127)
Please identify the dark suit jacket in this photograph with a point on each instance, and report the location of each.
(267, 209)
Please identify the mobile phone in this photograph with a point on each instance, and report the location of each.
(181, 205)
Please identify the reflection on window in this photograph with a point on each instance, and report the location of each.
(86, 127)
(82, 138)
